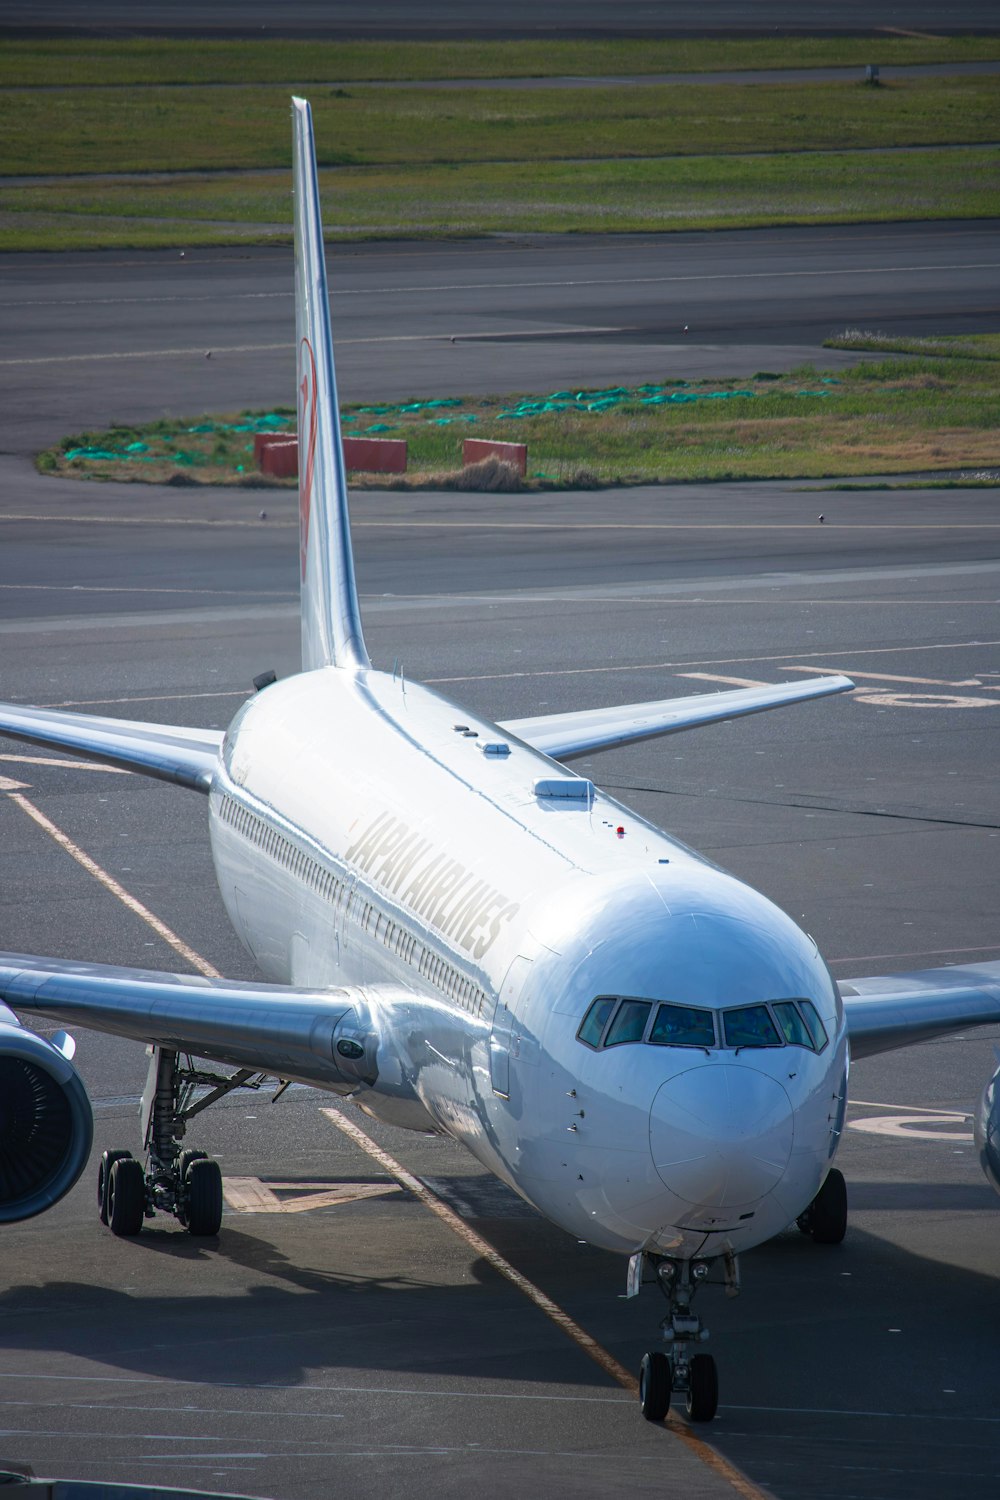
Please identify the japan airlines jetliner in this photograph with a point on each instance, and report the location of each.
(464, 936)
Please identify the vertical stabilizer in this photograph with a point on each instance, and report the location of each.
(331, 617)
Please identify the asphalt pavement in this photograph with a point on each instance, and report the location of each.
(93, 338)
(476, 18)
(340, 1335)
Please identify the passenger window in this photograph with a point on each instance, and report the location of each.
(792, 1024)
(629, 1023)
(680, 1026)
(816, 1028)
(594, 1022)
(750, 1026)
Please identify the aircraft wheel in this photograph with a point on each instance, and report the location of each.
(126, 1197)
(655, 1380)
(108, 1160)
(828, 1210)
(185, 1159)
(703, 1394)
(203, 1197)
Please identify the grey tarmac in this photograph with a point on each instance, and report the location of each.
(475, 18)
(349, 1339)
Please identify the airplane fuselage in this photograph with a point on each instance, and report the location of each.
(370, 832)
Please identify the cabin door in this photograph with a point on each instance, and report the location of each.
(503, 1024)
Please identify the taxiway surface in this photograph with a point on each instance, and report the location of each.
(89, 339)
(347, 1337)
(518, 18)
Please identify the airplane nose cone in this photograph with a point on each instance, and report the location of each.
(721, 1135)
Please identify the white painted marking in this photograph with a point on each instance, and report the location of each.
(86, 588)
(419, 290)
(894, 677)
(37, 1377)
(7, 785)
(110, 884)
(907, 1109)
(732, 681)
(668, 666)
(70, 765)
(439, 337)
(911, 1127)
(870, 958)
(248, 1195)
(922, 700)
(64, 359)
(544, 1303)
(146, 698)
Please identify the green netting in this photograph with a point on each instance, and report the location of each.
(270, 421)
(614, 396)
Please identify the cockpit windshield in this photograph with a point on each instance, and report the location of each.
(613, 1020)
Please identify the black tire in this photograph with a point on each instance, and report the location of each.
(184, 1161)
(703, 1393)
(655, 1380)
(108, 1160)
(126, 1197)
(828, 1210)
(203, 1197)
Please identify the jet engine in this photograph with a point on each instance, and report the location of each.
(46, 1123)
(987, 1131)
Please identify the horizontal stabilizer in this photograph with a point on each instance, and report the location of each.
(170, 752)
(563, 736)
(895, 1010)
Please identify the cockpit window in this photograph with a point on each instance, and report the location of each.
(595, 1021)
(681, 1026)
(613, 1020)
(629, 1023)
(750, 1026)
(792, 1024)
(816, 1028)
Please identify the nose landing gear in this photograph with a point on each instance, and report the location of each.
(680, 1368)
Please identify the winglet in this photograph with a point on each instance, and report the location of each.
(331, 616)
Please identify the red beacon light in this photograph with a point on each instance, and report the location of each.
(620, 831)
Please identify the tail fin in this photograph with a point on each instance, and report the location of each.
(331, 617)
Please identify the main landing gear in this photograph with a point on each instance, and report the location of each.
(187, 1184)
(680, 1368)
(826, 1217)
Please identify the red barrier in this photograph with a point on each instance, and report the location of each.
(375, 455)
(261, 441)
(277, 454)
(475, 449)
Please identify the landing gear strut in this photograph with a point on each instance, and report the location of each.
(680, 1368)
(187, 1184)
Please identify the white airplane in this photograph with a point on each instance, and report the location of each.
(464, 936)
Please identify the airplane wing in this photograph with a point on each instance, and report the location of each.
(271, 1028)
(170, 752)
(564, 736)
(896, 1010)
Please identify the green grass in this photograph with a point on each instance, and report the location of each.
(127, 62)
(958, 345)
(896, 416)
(681, 193)
(183, 129)
(400, 161)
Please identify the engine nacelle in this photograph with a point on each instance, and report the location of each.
(46, 1123)
(987, 1131)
